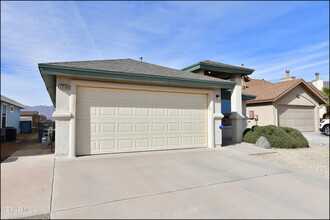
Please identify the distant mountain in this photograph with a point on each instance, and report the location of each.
(42, 109)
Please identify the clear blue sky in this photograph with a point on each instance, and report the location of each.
(269, 37)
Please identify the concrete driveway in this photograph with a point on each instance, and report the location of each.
(199, 183)
(26, 184)
(316, 138)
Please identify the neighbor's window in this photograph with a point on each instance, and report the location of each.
(11, 108)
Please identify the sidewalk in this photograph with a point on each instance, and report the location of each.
(26, 184)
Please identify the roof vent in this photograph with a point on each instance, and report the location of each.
(288, 77)
(287, 73)
(317, 75)
(141, 59)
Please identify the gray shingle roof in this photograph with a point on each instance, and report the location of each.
(223, 64)
(134, 66)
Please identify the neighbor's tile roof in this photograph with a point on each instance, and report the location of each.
(269, 92)
(29, 113)
(11, 101)
(134, 66)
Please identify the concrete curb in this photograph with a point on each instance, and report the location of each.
(252, 154)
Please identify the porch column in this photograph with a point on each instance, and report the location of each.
(218, 116)
(237, 118)
(72, 132)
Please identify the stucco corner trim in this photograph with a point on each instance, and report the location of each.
(237, 116)
(62, 115)
(218, 116)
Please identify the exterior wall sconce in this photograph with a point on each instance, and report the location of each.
(217, 96)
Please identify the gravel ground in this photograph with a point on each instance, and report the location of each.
(314, 159)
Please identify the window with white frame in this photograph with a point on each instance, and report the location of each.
(4, 116)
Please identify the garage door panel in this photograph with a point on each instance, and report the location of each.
(107, 144)
(299, 117)
(127, 120)
(106, 128)
(140, 127)
(100, 145)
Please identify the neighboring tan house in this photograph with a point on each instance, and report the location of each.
(289, 103)
(124, 105)
(32, 116)
(10, 112)
(319, 83)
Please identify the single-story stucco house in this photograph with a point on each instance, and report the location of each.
(124, 105)
(289, 103)
(32, 116)
(10, 113)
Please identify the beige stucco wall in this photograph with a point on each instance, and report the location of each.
(62, 125)
(268, 113)
(306, 99)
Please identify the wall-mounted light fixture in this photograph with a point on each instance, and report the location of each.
(217, 96)
(209, 72)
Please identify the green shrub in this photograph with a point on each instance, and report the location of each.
(278, 137)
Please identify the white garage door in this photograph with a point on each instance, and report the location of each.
(118, 120)
(299, 117)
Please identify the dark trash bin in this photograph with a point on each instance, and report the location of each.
(10, 134)
(3, 135)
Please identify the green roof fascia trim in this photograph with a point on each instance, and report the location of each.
(196, 66)
(227, 95)
(50, 70)
(193, 67)
(50, 82)
(248, 97)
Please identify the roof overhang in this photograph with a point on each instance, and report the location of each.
(49, 73)
(219, 68)
(227, 95)
(248, 96)
(12, 102)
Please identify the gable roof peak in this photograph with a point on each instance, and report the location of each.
(269, 92)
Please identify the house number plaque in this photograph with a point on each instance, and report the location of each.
(64, 86)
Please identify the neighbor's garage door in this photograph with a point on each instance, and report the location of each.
(299, 117)
(117, 120)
